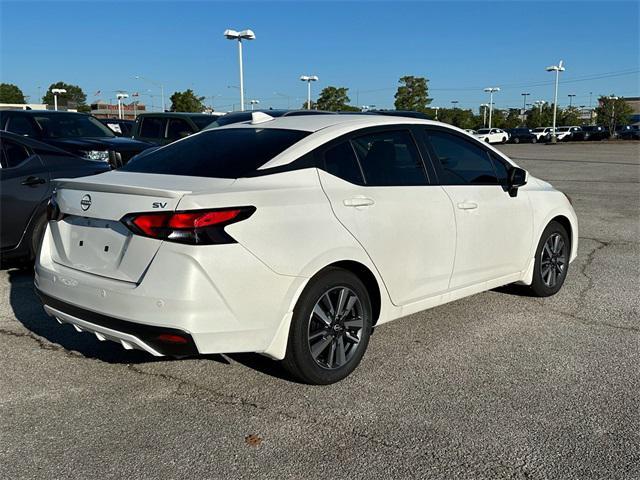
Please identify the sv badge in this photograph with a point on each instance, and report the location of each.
(159, 204)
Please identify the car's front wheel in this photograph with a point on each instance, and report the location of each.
(552, 261)
(330, 328)
(516, 140)
(534, 140)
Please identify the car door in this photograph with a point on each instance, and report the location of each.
(379, 190)
(494, 230)
(24, 184)
(152, 129)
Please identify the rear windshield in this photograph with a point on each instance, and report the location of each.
(226, 153)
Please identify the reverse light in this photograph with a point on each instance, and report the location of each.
(199, 227)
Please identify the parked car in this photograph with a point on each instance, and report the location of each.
(77, 133)
(238, 117)
(399, 113)
(165, 127)
(565, 134)
(492, 135)
(591, 132)
(26, 170)
(521, 135)
(542, 133)
(470, 131)
(628, 132)
(120, 127)
(291, 237)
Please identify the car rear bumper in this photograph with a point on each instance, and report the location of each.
(219, 298)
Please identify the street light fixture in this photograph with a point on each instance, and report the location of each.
(571, 95)
(56, 92)
(555, 68)
(524, 105)
(121, 96)
(484, 107)
(455, 103)
(239, 36)
(309, 79)
(253, 102)
(157, 84)
(436, 109)
(490, 91)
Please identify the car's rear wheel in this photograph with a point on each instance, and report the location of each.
(330, 328)
(37, 234)
(552, 261)
(504, 139)
(534, 140)
(486, 140)
(516, 140)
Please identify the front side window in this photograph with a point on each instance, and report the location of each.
(21, 126)
(341, 162)
(152, 127)
(218, 153)
(390, 158)
(178, 128)
(71, 125)
(461, 161)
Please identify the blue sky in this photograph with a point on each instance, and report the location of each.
(366, 46)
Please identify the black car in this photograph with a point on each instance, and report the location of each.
(26, 170)
(591, 132)
(77, 133)
(628, 132)
(237, 117)
(521, 135)
(166, 127)
(121, 127)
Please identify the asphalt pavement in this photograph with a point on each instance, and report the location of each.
(498, 385)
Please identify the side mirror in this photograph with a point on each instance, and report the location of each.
(517, 179)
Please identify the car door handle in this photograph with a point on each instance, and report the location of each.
(33, 181)
(358, 202)
(467, 205)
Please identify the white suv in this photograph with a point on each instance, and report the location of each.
(542, 133)
(295, 236)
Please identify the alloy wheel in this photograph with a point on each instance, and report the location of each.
(553, 260)
(335, 327)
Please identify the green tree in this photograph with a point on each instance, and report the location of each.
(538, 117)
(613, 112)
(457, 117)
(10, 93)
(569, 116)
(186, 101)
(74, 98)
(335, 99)
(514, 119)
(412, 94)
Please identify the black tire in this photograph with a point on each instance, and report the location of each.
(534, 140)
(541, 287)
(504, 140)
(299, 359)
(516, 140)
(486, 140)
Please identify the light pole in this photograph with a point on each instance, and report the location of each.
(157, 84)
(253, 102)
(239, 36)
(613, 115)
(555, 68)
(484, 107)
(436, 109)
(490, 91)
(288, 97)
(524, 105)
(309, 79)
(455, 103)
(121, 96)
(56, 92)
(571, 95)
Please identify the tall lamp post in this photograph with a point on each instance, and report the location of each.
(571, 95)
(524, 105)
(56, 92)
(157, 84)
(121, 96)
(309, 79)
(490, 91)
(253, 102)
(555, 68)
(455, 103)
(239, 36)
(613, 115)
(484, 107)
(436, 109)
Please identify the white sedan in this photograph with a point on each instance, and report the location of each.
(492, 135)
(293, 237)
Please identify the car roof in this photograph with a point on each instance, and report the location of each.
(176, 114)
(31, 143)
(48, 112)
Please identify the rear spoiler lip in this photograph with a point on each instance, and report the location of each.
(75, 184)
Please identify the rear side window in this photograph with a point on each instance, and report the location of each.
(13, 154)
(204, 121)
(152, 127)
(390, 158)
(341, 162)
(21, 126)
(219, 153)
(178, 128)
(461, 162)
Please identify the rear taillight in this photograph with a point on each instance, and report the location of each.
(199, 227)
